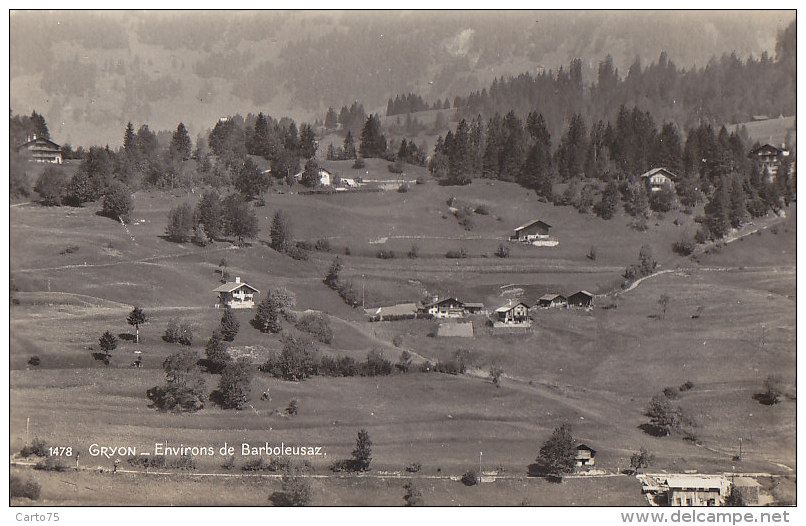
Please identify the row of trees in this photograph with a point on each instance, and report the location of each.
(211, 219)
(412, 103)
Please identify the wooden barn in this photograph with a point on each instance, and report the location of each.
(512, 314)
(531, 230)
(581, 300)
(585, 456)
(236, 295)
(657, 178)
(552, 301)
(42, 150)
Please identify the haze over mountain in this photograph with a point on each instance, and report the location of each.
(89, 73)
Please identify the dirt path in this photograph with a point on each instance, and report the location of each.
(148, 259)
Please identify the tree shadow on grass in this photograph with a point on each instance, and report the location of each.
(766, 398)
(279, 498)
(125, 336)
(653, 430)
(539, 471)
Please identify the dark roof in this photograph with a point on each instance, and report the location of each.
(527, 225)
(440, 302)
(662, 171)
(40, 139)
(767, 146)
(581, 292)
(232, 286)
(551, 297)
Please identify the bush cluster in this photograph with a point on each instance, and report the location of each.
(28, 489)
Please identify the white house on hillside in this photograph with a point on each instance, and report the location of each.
(236, 295)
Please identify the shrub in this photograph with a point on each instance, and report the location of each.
(37, 447)
(317, 325)
(117, 202)
(403, 188)
(420, 180)
(178, 331)
(385, 254)
(51, 185)
(292, 408)
(425, 367)
(686, 386)
(482, 210)
(414, 467)
(298, 253)
(465, 217)
(28, 489)
(185, 462)
(296, 491)
(298, 360)
(34, 361)
(344, 366)
(51, 464)
(456, 254)
(180, 223)
(684, 247)
(397, 341)
(414, 252)
(359, 163)
(375, 365)
(322, 245)
(469, 478)
(413, 496)
(235, 385)
(229, 326)
(70, 249)
(502, 251)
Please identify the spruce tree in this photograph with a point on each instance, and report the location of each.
(229, 325)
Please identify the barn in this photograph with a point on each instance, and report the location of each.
(42, 150)
(584, 456)
(531, 230)
(551, 301)
(582, 300)
(236, 295)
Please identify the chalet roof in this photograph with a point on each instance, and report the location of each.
(507, 308)
(551, 297)
(585, 447)
(440, 302)
(661, 171)
(530, 223)
(767, 146)
(583, 292)
(231, 286)
(40, 140)
(696, 481)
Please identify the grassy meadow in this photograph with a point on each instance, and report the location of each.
(596, 370)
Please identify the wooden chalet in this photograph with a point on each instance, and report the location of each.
(450, 308)
(42, 150)
(236, 295)
(657, 178)
(769, 158)
(512, 314)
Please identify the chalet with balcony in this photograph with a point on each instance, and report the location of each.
(42, 150)
(236, 295)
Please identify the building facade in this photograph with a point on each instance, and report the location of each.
(42, 150)
(236, 295)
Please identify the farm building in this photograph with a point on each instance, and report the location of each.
(450, 308)
(657, 178)
(696, 490)
(585, 456)
(325, 177)
(531, 231)
(512, 314)
(748, 488)
(582, 299)
(552, 301)
(769, 158)
(42, 150)
(236, 295)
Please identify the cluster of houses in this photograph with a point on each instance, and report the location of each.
(512, 314)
